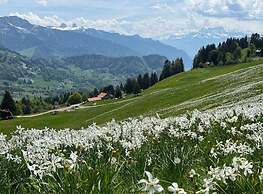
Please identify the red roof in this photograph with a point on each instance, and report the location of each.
(94, 99)
(98, 98)
(102, 95)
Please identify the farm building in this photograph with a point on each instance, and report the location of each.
(100, 97)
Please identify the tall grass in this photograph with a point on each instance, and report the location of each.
(202, 152)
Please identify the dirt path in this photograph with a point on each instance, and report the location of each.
(72, 107)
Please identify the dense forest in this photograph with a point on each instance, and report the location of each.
(232, 51)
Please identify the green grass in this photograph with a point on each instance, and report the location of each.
(199, 88)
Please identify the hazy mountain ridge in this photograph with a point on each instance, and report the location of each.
(192, 42)
(141, 45)
(42, 42)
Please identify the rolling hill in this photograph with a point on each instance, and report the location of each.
(197, 89)
(26, 76)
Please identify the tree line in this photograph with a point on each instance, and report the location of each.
(232, 51)
(142, 82)
(9, 107)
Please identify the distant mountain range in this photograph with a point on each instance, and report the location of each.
(45, 42)
(26, 76)
(192, 42)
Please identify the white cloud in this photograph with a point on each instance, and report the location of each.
(43, 21)
(166, 19)
(42, 2)
(3, 1)
(148, 27)
(242, 9)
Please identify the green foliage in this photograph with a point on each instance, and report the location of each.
(132, 86)
(118, 92)
(229, 52)
(172, 68)
(8, 103)
(110, 90)
(154, 78)
(75, 98)
(26, 106)
(146, 82)
(50, 77)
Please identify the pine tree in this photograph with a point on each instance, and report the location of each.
(166, 70)
(118, 93)
(154, 78)
(26, 106)
(8, 103)
(140, 81)
(136, 87)
(146, 81)
(121, 87)
(128, 87)
(181, 65)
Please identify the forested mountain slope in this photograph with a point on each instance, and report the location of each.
(26, 76)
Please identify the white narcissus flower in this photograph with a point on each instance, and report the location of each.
(175, 189)
(177, 160)
(261, 175)
(74, 157)
(193, 173)
(151, 185)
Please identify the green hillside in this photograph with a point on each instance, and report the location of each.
(196, 89)
(45, 77)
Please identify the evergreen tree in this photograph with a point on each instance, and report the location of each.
(237, 53)
(146, 81)
(8, 103)
(118, 93)
(181, 65)
(109, 89)
(121, 87)
(26, 106)
(140, 81)
(227, 52)
(128, 87)
(154, 78)
(136, 87)
(213, 57)
(166, 70)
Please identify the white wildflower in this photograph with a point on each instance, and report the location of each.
(151, 185)
(261, 175)
(193, 173)
(174, 188)
(177, 160)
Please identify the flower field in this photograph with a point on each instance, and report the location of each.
(217, 151)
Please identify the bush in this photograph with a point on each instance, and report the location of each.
(75, 98)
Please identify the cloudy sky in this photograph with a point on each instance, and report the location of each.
(148, 18)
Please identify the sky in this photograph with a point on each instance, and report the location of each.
(158, 19)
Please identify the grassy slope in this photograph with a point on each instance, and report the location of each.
(200, 88)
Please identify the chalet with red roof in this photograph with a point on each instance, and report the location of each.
(100, 97)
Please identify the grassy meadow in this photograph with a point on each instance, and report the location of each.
(197, 89)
